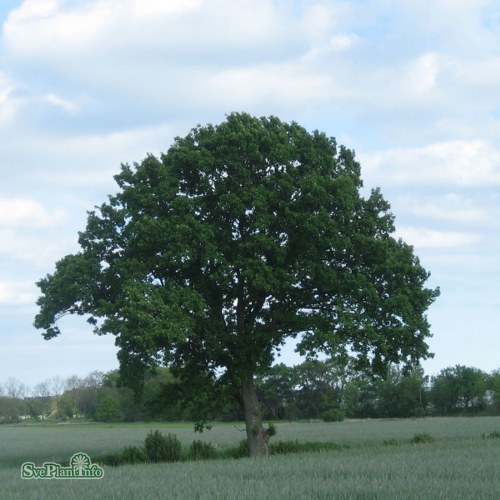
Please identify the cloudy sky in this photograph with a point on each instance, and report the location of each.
(411, 86)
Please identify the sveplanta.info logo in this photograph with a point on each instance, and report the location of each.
(80, 467)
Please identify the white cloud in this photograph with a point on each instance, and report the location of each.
(279, 84)
(9, 103)
(14, 293)
(32, 233)
(37, 249)
(41, 9)
(480, 72)
(421, 75)
(467, 215)
(342, 41)
(98, 27)
(161, 55)
(153, 8)
(29, 213)
(65, 104)
(463, 163)
(229, 50)
(72, 166)
(458, 262)
(96, 158)
(421, 237)
(451, 207)
(320, 19)
(38, 27)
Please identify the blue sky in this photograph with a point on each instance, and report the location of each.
(411, 86)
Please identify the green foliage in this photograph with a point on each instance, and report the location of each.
(460, 389)
(494, 387)
(319, 386)
(240, 451)
(111, 459)
(491, 435)
(200, 426)
(401, 393)
(108, 409)
(287, 447)
(422, 437)
(11, 409)
(333, 416)
(391, 442)
(275, 390)
(129, 455)
(271, 430)
(66, 405)
(199, 450)
(284, 447)
(134, 455)
(162, 448)
(242, 235)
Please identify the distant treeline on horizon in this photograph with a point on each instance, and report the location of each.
(312, 390)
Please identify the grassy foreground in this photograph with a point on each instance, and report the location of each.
(379, 461)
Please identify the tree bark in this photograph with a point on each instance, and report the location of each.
(258, 438)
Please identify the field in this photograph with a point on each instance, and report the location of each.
(377, 461)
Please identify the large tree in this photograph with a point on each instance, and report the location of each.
(241, 236)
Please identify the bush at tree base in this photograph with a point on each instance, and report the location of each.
(163, 448)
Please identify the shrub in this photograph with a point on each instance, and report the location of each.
(161, 448)
(286, 447)
(200, 450)
(271, 430)
(134, 455)
(491, 435)
(112, 459)
(423, 437)
(129, 455)
(241, 451)
(417, 412)
(333, 416)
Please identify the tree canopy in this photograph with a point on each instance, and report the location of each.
(241, 236)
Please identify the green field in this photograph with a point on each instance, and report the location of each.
(378, 460)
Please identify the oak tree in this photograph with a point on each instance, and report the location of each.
(241, 236)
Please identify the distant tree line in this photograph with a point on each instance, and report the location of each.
(312, 390)
(316, 388)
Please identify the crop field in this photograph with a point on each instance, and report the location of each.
(377, 460)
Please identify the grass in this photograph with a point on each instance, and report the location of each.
(374, 459)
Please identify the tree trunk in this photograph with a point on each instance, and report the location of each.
(258, 437)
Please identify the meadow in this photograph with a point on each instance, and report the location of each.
(377, 459)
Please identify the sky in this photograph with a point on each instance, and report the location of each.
(412, 87)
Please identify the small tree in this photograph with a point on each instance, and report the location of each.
(12, 408)
(459, 389)
(242, 236)
(108, 408)
(162, 448)
(276, 389)
(43, 394)
(402, 395)
(360, 397)
(15, 389)
(317, 391)
(494, 387)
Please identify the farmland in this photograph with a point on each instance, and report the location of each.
(377, 460)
